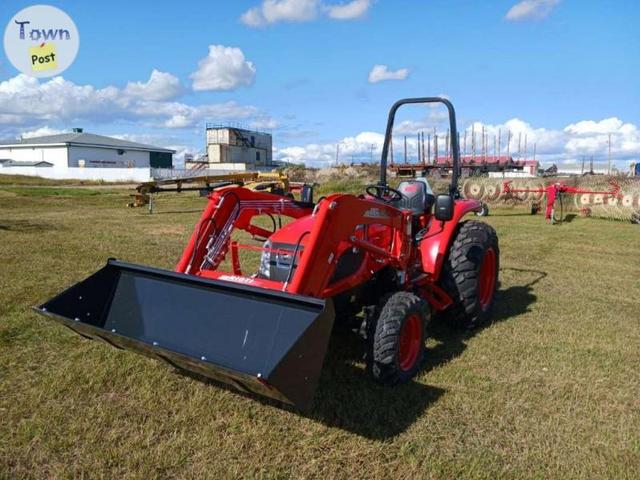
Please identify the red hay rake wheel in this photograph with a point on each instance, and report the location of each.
(583, 200)
(473, 189)
(492, 192)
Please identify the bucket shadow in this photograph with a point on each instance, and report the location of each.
(347, 398)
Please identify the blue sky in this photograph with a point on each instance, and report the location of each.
(564, 72)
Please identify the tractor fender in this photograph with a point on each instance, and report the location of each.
(436, 243)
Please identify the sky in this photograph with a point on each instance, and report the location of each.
(319, 74)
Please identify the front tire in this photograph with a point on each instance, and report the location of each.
(470, 274)
(398, 341)
(484, 211)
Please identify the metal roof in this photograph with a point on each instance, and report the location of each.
(13, 163)
(85, 139)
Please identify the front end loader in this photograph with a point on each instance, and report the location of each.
(382, 262)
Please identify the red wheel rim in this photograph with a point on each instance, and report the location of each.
(487, 278)
(410, 341)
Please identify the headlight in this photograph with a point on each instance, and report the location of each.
(265, 260)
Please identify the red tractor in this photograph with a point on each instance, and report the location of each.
(385, 261)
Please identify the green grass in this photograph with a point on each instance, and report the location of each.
(30, 180)
(549, 390)
(51, 191)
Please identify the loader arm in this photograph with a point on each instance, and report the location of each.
(336, 220)
(230, 208)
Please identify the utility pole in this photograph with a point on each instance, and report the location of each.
(609, 170)
(484, 145)
(465, 142)
(582, 167)
(435, 145)
(473, 142)
(519, 143)
(372, 147)
(405, 149)
(337, 153)
(428, 148)
(509, 146)
(422, 143)
(419, 151)
(525, 146)
(499, 141)
(446, 146)
(591, 165)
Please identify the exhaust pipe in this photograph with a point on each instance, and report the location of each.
(260, 341)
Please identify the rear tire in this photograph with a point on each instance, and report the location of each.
(397, 344)
(470, 274)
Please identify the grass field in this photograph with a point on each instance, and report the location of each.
(551, 389)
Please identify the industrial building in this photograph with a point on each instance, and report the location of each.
(235, 148)
(84, 156)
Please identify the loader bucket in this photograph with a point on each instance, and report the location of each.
(257, 340)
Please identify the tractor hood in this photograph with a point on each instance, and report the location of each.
(294, 232)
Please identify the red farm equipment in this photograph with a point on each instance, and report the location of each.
(555, 192)
(383, 261)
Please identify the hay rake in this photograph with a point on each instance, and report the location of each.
(556, 191)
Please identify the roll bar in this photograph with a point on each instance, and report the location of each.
(455, 148)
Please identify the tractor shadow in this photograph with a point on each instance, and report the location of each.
(347, 398)
(510, 303)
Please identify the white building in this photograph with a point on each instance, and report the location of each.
(83, 156)
(238, 148)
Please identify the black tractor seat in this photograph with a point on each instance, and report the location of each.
(417, 196)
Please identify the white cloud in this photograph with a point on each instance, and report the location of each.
(608, 125)
(324, 154)
(349, 10)
(27, 101)
(297, 11)
(561, 146)
(273, 11)
(264, 123)
(531, 9)
(592, 137)
(546, 141)
(380, 73)
(224, 68)
(41, 132)
(160, 86)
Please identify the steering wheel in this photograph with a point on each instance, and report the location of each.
(384, 193)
